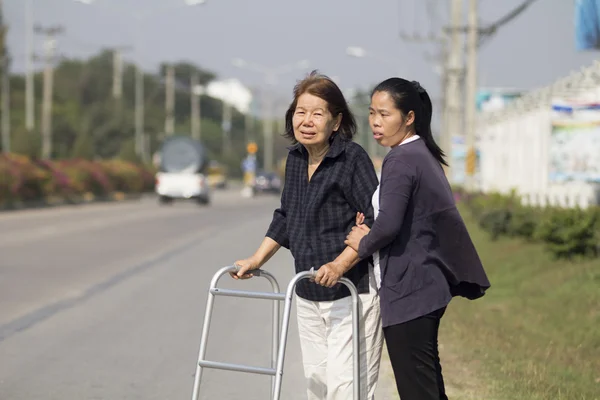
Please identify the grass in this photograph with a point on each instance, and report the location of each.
(536, 333)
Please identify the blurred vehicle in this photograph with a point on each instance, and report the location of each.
(217, 175)
(267, 182)
(182, 165)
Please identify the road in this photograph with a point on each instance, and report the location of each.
(106, 301)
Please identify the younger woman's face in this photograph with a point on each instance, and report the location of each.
(389, 126)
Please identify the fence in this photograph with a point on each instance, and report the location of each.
(545, 145)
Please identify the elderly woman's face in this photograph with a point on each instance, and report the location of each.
(312, 121)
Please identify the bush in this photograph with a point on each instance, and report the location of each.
(24, 180)
(125, 176)
(87, 177)
(566, 233)
(571, 232)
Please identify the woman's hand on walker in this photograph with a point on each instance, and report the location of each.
(356, 234)
(245, 268)
(329, 274)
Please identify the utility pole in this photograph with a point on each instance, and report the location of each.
(226, 126)
(117, 87)
(5, 85)
(140, 137)
(471, 87)
(453, 72)
(441, 61)
(29, 82)
(5, 101)
(139, 112)
(269, 142)
(281, 110)
(195, 92)
(170, 100)
(50, 46)
(249, 120)
(117, 84)
(249, 126)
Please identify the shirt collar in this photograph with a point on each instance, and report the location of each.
(336, 147)
(410, 139)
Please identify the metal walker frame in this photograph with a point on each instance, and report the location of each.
(279, 341)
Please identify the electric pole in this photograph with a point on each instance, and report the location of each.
(249, 119)
(442, 68)
(117, 84)
(454, 71)
(5, 85)
(471, 87)
(50, 46)
(268, 146)
(195, 92)
(170, 100)
(29, 82)
(226, 126)
(117, 87)
(249, 126)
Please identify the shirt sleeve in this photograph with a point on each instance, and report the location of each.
(397, 182)
(362, 186)
(278, 228)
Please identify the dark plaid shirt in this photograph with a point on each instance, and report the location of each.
(315, 217)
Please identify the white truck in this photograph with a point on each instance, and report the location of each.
(182, 162)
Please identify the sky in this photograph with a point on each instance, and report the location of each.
(532, 51)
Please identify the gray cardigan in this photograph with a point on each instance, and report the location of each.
(426, 253)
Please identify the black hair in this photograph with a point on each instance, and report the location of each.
(409, 96)
(325, 88)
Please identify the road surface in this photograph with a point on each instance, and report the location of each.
(106, 301)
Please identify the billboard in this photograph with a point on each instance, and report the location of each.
(574, 149)
(587, 24)
(489, 99)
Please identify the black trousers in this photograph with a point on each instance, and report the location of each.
(413, 350)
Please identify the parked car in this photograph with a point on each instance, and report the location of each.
(217, 175)
(267, 182)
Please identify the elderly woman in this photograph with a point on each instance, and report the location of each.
(328, 179)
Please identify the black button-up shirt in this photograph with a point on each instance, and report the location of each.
(315, 217)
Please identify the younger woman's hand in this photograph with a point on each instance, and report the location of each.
(360, 218)
(355, 236)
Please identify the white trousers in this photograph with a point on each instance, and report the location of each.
(325, 330)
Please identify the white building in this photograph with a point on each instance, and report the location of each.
(546, 143)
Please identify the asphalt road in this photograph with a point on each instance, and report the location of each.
(107, 301)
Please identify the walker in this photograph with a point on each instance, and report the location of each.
(279, 341)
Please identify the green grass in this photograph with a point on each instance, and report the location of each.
(535, 334)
